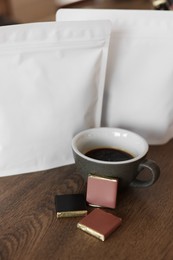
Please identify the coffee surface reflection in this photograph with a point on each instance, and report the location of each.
(109, 154)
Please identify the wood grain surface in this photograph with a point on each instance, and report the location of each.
(105, 4)
(30, 230)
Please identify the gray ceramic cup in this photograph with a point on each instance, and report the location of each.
(125, 171)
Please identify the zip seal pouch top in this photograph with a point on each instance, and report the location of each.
(138, 93)
(52, 82)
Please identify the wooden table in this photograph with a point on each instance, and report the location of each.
(30, 230)
(105, 4)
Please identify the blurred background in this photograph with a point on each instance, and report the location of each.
(24, 11)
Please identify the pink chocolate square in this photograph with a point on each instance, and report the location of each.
(101, 191)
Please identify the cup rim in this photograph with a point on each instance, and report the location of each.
(123, 130)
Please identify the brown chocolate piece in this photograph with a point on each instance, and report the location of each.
(99, 223)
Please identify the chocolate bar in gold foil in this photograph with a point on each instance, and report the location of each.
(99, 223)
(101, 191)
(70, 205)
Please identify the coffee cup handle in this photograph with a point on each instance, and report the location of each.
(153, 169)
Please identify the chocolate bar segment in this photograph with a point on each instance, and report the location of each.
(70, 205)
(101, 191)
(99, 223)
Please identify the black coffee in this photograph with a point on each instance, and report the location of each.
(109, 154)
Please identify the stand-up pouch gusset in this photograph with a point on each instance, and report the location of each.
(52, 81)
(139, 81)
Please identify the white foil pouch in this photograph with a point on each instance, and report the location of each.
(139, 81)
(52, 81)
